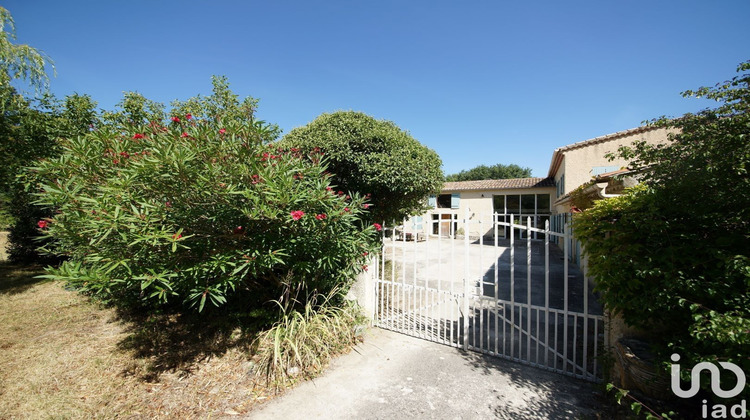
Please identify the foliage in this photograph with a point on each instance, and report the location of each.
(370, 156)
(197, 209)
(673, 255)
(625, 398)
(497, 171)
(302, 343)
(29, 131)
(20, 61)
(580, 199)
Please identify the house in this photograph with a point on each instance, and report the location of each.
(537, 200)
(578, 163)
(525, 198)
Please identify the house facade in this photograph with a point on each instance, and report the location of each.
(578, 163)
(534, 200)
(520, 198)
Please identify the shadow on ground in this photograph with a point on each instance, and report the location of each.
(178, 342)
(15, 278)
(556, 397)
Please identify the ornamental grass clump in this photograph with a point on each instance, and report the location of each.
(302, 342)
(196, 207)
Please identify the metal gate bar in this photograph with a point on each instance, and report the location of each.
(416, 300)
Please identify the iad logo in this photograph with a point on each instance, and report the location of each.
(719, 411)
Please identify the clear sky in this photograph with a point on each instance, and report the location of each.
(480, 82)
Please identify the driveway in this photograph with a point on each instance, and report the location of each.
(393, 376)
(442, 263)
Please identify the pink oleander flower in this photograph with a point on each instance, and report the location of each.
(378, 226)
(365, 206)
(189, 116)
(222, 131)
(297, 214)
(175, 119)
(347, 209)
(138, 136)
(42, 224)
(184, 135)
(321, 216)
(238, 230)
(177, 236)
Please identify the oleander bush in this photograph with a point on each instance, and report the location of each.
(196, 208)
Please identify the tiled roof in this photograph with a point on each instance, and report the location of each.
(498, 184)
(558, 153)
(608, 137)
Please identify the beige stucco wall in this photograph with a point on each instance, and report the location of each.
(577, 164)
(478, 204)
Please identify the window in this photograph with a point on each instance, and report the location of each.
(524, 207)
(513, 204)
(560, 186)
(528, 203)
(498, 203)
(542, 203)
(444, 201)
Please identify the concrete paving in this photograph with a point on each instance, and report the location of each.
(393, 376)
(443, 263)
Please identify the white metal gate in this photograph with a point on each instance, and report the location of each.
(517, 298)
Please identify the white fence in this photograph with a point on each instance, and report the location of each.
(519, 299)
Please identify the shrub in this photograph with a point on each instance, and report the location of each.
(197, 209)
(673, 255)
(29, 131)
(374, 157)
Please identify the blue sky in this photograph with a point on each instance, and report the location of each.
(480, 82)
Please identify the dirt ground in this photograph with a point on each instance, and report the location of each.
(63, 356)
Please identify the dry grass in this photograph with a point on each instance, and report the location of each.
(302, 343)
(62, 356)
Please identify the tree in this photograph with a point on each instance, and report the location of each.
(673, 255)
(375, 157)
(28, 129)
(498, 171)
(20, 61)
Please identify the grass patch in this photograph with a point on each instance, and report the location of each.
(64, 356)
(302, 343)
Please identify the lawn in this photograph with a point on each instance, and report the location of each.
(63, 356)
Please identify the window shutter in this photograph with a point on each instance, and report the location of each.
(455, 199)
(432, 201)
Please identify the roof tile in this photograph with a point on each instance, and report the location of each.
(498, 184)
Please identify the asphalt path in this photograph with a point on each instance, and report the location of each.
(393, 376)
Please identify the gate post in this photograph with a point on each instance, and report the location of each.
(466, 280)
